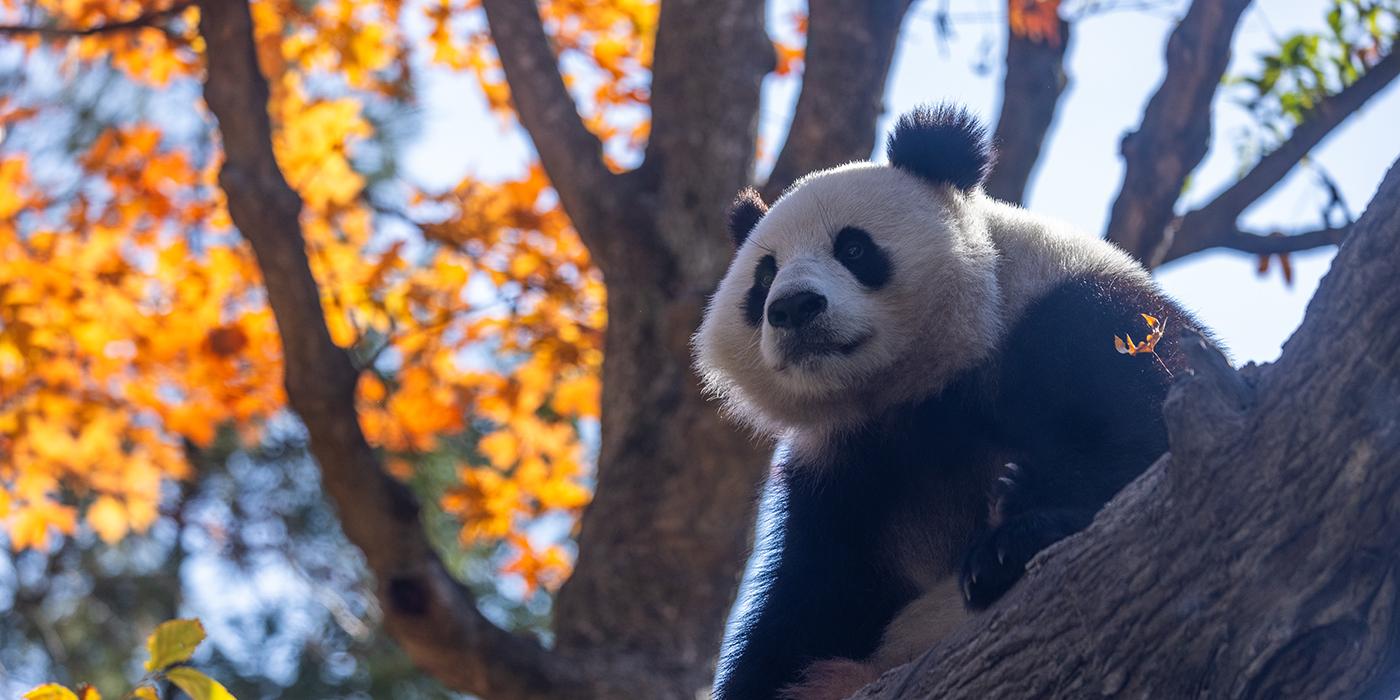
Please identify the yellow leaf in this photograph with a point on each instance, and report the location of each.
(87, 692)
(577, 396)
(173, 642)
(500, 448)
(108, 519)
(50, 691)
(1118, 343)
(12, 177)
(1151, 320)
(197, 685)
(29, 524)
(145, 692)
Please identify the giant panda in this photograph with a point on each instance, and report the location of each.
(942, 372)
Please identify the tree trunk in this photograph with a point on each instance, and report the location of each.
(1258, 559)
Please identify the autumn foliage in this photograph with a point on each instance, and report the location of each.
(133, 328)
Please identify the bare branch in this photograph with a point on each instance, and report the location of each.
(149, 19)
(1035, 78)
(850, 44)
(1175, 130)
(571, 155)
(1258, 244)
(1197, 228)
(432, 615)
(1197, 582)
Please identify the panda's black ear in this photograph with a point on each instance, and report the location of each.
(942, 144)
(744, 213)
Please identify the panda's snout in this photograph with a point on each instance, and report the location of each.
(795, 310)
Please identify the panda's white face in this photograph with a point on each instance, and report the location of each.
(864, 286)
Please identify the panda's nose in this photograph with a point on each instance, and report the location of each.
(795, 310)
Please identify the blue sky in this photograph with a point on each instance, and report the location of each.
(1115, 63)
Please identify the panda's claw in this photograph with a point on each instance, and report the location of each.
(998, 557)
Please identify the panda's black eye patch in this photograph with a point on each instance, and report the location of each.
(854, 249)
(763, 275)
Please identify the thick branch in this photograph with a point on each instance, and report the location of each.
(571, 155)
(1035, 78)
(1258, 244)
(1196, 229)
(1175, 130)
(149, 19)
(850, 44)
(711, 56)
(431, 614)
(1257, 558)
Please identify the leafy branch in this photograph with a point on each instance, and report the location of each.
(154, 19)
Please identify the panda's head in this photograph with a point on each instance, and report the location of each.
(864, 286)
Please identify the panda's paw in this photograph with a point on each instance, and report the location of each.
(999, 555)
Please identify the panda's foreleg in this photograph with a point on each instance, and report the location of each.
(1081, 418)
(824, 598)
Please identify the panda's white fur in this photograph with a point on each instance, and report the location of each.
(965, 266)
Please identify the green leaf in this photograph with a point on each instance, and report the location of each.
(50, 691)
(197, 685)
(173, 642)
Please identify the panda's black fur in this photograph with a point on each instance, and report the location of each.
(943, 144)
(1008, 457)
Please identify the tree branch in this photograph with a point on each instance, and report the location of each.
(1175, 130)
(1195, 581)
(570, 154)
(1257, 244)
(850, 44)
(149, 19)
(1197, 227)
(431, 614)
(1035, 78)
(711, 56)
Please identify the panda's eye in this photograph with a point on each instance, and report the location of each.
(859, 253)
(765, 279)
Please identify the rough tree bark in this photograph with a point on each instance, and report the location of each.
(1258, 558)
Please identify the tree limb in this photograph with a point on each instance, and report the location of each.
(149, 19)
(432, 615)
(1035, 78)
(711, 56)
(1254, 560)
(1197, 227)
(570, 154)
(850, 44)
(1175, 130)
(1258, 244)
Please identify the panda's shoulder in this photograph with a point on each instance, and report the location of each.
(1068, 334)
